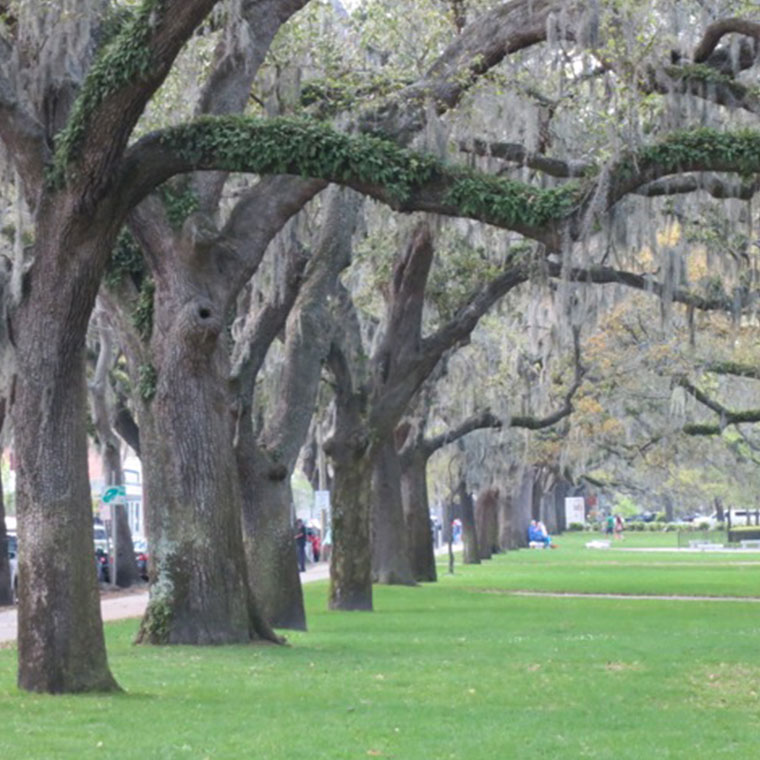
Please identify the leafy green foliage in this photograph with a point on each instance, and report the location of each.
(179, 203)
(121, 61)
(126, 260)
(703, 147)
(142, 317)
(146, 385)
(511, 202)
(315, 149)
(299, 146)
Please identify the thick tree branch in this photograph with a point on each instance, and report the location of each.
(474, 307)
(717, 30)
(728, 417)
(484, 43)
(646, 283)
(408, 181)
(24, 138)
(517, 153)
(263, 326)
(118, 86)
(236, 64)
(689, 183)
(485, 419)
(307, 341)
(732, 368)
(402, 333)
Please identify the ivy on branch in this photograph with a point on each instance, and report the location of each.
(411, 181)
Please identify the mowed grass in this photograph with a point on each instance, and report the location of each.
(458, 669)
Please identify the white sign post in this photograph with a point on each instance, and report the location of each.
(575, 510)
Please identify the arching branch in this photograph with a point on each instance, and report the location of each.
(728, 416)
(717, 30)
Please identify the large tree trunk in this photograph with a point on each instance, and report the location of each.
(351, 558)
(522, 507)
(417, 514)
(560, 492)
(268, 534)
(200, 592)
(266, 464)
(390, 556)
(485, 521)
(60, 634)
(505, 532)
(470, 552)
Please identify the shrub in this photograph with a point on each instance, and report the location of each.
(575, 526)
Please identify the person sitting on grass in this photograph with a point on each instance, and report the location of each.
(537, 534)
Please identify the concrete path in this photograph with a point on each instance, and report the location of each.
(120, 605)
(634, 597)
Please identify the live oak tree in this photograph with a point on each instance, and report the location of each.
(68, 137)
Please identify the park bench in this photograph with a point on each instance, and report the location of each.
(704, 545)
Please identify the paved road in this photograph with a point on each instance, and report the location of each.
(120, 606)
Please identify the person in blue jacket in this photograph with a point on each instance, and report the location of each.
(537, 532)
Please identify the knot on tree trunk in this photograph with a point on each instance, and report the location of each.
(199, 323)
(277, 472)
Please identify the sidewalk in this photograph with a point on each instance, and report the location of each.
(122, 605)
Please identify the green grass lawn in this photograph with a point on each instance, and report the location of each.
(458, 669)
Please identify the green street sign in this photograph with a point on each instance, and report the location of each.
(114, 495)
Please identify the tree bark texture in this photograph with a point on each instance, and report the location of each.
(270, 548)
(351, 558)
(486, 521)
(414, 495)
(266, 463)
(200, 592)
(470, 551)
(60, 635)
(506, 535)
(522, 510)
(560, 492)
(390, 555)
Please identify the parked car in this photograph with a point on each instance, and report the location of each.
(100, 536)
